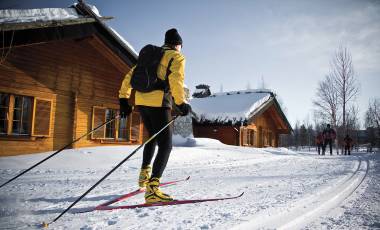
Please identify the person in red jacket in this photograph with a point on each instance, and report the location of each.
(329, 136)
(319, 142)
(347, 144)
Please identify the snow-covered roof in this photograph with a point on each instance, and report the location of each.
(56, 16)
(235, 106)
(36, 15)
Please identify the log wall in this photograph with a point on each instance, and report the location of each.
(75, 74)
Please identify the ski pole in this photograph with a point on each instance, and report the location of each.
(58, 151)
(45, 225)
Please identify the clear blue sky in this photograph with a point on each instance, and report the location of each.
(234, 44)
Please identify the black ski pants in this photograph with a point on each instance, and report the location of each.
(154, 119)
(320, 147)
(327, 142)
(347, 148)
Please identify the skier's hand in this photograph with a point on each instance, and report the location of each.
(184, 108)
(125, 108)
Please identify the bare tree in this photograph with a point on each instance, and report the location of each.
(296, 134)
(353, 119)
(372, 117)
(352, 124)
(303, 136)
(326, 102)
(372, 123)
(344, 80)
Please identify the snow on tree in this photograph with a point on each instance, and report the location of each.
(202, 91)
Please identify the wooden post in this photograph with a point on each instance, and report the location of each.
(10, 112)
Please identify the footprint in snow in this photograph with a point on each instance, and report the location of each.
(111, 222)
(143, 215)
(205, 226)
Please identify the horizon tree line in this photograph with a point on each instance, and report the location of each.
(335, 104)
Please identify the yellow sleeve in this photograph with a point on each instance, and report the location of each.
(176, 79)
(125, 90)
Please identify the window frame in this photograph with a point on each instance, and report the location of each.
(10, 116)
(248, 136)
(116, 129)
(6, 117)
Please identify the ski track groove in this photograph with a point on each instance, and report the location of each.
(305, 212)
(220, 165)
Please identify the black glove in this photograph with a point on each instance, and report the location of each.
(125, 108)
(184, 108)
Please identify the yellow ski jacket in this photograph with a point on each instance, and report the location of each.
(159, 98)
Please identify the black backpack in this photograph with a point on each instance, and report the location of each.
(144, 77)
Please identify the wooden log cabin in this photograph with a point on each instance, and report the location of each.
(60, 72)
(244, 118)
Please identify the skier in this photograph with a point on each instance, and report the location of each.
(155, 109)
(329, 136)
(347, 144)
(319, 143)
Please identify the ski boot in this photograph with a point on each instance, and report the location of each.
(144, 176)
(153, 194)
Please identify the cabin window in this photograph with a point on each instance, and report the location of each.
(22, 111)
(101, 115)
(16, 113)
(248, 136)
(120, 129)
(110, 127)
(4, 109)
(129, 129)
(135, 126)
(123, 129)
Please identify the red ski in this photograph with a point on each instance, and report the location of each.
(175, 202)
(138, 191)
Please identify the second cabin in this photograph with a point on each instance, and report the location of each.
(244, 118)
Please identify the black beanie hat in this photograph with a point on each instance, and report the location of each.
(172, 37)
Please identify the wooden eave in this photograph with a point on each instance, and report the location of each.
(279, 117)
(44, 24)
(76, 31)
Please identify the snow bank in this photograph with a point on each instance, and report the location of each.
(178, 140)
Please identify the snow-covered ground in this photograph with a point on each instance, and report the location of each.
(283, 189)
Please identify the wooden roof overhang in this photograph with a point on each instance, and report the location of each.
(273, 108)
(31, 33)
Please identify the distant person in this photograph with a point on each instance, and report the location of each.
(319, 143)
(347, 144)
(329, 136)
(155, 108)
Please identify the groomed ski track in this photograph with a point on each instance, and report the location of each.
(310, 208)
(283, 189)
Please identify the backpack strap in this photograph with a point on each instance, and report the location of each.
(168, 72)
